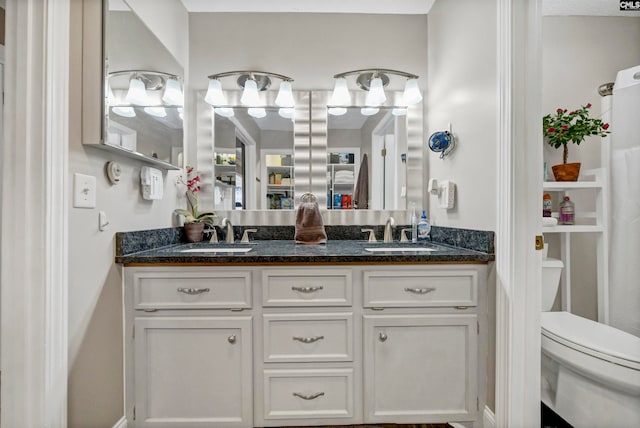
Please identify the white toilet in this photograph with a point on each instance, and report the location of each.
(590, 371)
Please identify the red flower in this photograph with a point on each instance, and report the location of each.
(589, 105)
(560, 111)
(605, 126)
(565, 127)
(550, 130)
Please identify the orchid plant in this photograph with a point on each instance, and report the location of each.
(192, 214)
(563, 127)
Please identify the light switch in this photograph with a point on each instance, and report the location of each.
(84, 191)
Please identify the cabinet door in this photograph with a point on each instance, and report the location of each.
(420, 368)
(193, 372)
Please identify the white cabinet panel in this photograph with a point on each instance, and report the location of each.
(420, 288)
(193, 372)
(192, 289)
(308, 337)
(304, 394)
(420, 368)
(306, 287)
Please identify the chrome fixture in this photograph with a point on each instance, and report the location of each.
(140, 83)
(373, 80)
(372, 235)
(403, 235)
(606, 89)
(214, 236)
(245, 235)
(251, 82)
(388, 235)
(226, 223)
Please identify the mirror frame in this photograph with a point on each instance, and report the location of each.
(310, 160)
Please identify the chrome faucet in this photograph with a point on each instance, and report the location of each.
(226, 223)
(388, 235)
(214, 235)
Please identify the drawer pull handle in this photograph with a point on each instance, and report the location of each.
(419, 290)
(193, 291)
(307, 289)
(308, 397)
(382, 337)
(232, 339)
(308, 339)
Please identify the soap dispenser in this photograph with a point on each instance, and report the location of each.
(424, 227)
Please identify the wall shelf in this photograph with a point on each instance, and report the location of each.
(596, 180)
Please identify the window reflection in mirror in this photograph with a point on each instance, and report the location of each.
(378, 138)
(253, 160)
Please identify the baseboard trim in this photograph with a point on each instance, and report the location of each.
(489, 418)
(122, 423)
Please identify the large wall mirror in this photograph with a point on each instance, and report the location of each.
(151, 127)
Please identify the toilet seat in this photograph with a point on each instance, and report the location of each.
(592, 338)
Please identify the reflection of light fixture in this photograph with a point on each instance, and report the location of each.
(286, 112)
(156, 111)
(252, 82)
(142, 81)
(124, 111)
(181, 113)
(257, 112)
(369, 111)
(337, 111)
(224, 111)
(399, 111)
(374, 80)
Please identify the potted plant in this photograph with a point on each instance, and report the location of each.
(194, 220)
(564, 127)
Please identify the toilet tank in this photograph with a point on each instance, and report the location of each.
(551, 270)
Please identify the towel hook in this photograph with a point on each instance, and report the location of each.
(308, 197)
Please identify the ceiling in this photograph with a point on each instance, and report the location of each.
(410, 7)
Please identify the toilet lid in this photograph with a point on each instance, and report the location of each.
(600, 340)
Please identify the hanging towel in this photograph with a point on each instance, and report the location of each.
(361, 195)
(309, 225)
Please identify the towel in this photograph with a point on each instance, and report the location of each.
(309, 225)
(361, 195)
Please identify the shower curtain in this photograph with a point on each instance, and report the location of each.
(624, 245)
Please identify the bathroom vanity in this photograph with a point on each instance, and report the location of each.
(279, 334)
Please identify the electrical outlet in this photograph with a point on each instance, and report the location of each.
(84, 191)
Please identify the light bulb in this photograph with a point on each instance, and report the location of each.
(412, 94)
(250, 94)
(156, 111)
(172, 93)
(369, 111)
(224, 111)
(124, 111)
(111, 98)
(257, 112)
(337, 111)
(137, 93)
(399, 112)
(340, 95)
(376, 95)
(286, 112)
(214, 95)
(285, 95)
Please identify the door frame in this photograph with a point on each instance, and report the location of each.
(34, 326)
(35, 190)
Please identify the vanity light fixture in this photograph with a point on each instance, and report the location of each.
(252, 83)
(141, 81)
(373, 80)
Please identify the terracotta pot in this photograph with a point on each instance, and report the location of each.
(566, 171)
(194, 232)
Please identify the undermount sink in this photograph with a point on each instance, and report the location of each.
(399, 249)
(217, 250)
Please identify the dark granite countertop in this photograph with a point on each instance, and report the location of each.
(146, 247)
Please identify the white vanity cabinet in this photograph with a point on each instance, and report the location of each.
(305, 345)
(189, 357)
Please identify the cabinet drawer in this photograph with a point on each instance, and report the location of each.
(420, 288)
(308, 337)
(302, 394)
(192, 290)
(306, 287)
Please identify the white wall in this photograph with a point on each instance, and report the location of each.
(95, 294)
(579, 54)
(462, 90)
